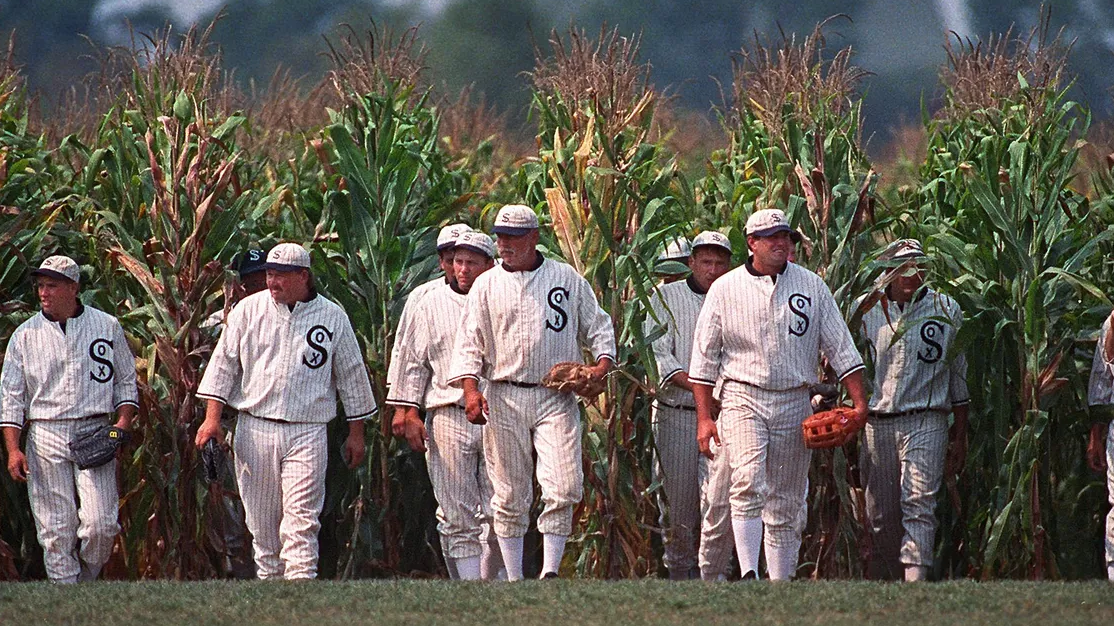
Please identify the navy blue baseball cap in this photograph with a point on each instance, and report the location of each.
(251, 261)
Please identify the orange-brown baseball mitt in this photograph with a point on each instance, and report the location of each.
(831, 429)
(575, 377)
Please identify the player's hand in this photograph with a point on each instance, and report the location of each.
(17, 466)
(208, 430)
(861, 412)
(398, 422)
(1096, 451)
(705, 434)
(956, 456)
(414, 432)
(475, 407)
(354, 448)
(600, 370)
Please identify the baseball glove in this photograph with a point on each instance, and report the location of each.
(831, 429)
(215, 461)
(575, 377)
(97, 447)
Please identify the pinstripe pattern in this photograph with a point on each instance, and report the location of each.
(402, 332)
(911, 348)
(716, 537)
(49, 374)
(75, 510)
(521, 422)
(675, 307)
(902, 464)
(289, 365)
(902, 458)
(1110, 498)
(1100, 391)
(54, 382)
(280, 468)
(455, 452)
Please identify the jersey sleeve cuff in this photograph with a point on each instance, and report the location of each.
(128, 402)
(458, 380)
(670, 375)
(11, 425)
(397, 402)
(701, 381)
(209, 396)
(361, 416)
(961, 402)
(854, 369)
(606, 356)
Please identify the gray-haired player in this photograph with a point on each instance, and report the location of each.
(676, 306)
(918, 380)
(455, 452)
(1099, 457)
(763, 328)
(67, 370)
(284, 359)
(522, 318)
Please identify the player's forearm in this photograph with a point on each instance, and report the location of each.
(959, 425)
(470, 386)
(681, 379)
(125, 416)
(705, 402)
(213, 410)
(11, 439)
(356, 428)
(856, 388)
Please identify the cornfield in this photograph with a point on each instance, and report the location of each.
(159, 169)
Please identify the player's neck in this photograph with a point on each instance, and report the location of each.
(529, 266)
(758, 268)
(65, 313)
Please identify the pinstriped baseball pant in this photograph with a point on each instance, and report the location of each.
(717, 539)
(524, 420)
(280, 468)
(1110, 496)
(75, 510)
(676, 466)
(460, 482)
(902, 464)
(769, 461)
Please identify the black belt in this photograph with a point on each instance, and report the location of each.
(682, 407)
(889, 416)
(515, 383)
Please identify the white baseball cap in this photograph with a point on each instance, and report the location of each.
(477, 242)
(449, 234)
(287, 257)
(903, 250)
(515, 219)
(767, 222)
(676, 250)
(712, 238)
(59, 266)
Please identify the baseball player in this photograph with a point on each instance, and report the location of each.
(283, 360)
(67, 370)
(676, 306)
(520, 319)
(252, 279)
(673, 258)
(455, 451)
(763, 328)
(1099, 457)
(918, 380)
(446, 244)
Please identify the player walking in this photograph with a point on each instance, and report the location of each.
(676, 306)
(66, 371)
(283, 360)
(763, 328)
(455, 455)
(918, 380)
(1099, 457)
(520, 319)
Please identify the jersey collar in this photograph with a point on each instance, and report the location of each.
(537, 264)
(694, 287)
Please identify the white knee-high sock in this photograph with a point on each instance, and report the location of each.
(491, 562)
(468, 568)
(782, 561)
(554, 551)
(748, 543)
(511, 547)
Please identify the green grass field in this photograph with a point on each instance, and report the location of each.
(559, 603)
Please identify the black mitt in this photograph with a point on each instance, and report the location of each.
(97, 447)
(215, 461)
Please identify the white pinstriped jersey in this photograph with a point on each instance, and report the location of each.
(51, 374)
(914, 368)
(769, 333)
(286, 365)
(1100, 389)
(676, 307)
(398, 356)
(424, 379)
(517, 325)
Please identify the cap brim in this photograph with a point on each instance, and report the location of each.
(796, 236)
(51, 273)
(283, 267)
(773, 230)
(446, 246)
(709, 244)
(476, 249)
(512, 231)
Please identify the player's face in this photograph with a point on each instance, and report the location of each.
(772, 251)
(707, 264)
(907, 283)
(518, 251)
(467, 266)
(57, 296)
(446, 257)
(288, 287)
(254, 282)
